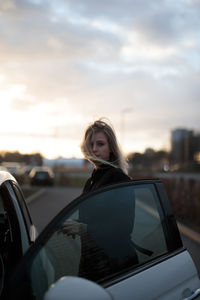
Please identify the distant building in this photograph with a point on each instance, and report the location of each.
(197, 148)
(65, 162)
(185, 145)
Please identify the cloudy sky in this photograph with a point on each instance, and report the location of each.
(64, 63)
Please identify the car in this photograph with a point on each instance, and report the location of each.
(2, 168)
(48, 267)
(17, 231)
(12, 167)
(41, 176)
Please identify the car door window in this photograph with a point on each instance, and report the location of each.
(7, 250)
(104, 236)
(148, 229)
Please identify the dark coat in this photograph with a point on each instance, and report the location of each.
(106, 175)
(109, 222)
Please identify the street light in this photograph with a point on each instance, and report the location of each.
(122, 120)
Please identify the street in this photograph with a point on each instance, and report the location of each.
(51, 200)
(49, 203)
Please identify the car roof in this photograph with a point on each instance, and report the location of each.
(4, 176)
(41, 169)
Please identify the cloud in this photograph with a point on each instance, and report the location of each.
(91, 58)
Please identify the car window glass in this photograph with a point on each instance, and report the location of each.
(2, 223)
(120, 230)
(148, 226)
(5, 227)
(7, 256)
(1, 206)
(10, 237)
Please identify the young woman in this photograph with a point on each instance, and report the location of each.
(105, 224)
(101, 148)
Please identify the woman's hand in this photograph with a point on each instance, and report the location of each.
(72, 228)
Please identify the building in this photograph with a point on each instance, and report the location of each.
(197, 148)
(185, 145)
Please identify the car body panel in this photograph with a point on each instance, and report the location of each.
(87, 290)
(167, 280)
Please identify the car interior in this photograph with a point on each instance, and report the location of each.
(10, 245)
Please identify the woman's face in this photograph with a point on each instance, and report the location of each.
(100, 146)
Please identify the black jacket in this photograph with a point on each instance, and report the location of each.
(110, 223)
(107, 246)
(105, 175)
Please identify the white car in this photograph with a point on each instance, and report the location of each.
(17, 231)
(124, 221)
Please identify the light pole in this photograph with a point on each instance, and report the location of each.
(122, 122)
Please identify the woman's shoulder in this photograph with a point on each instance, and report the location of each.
(118, 174)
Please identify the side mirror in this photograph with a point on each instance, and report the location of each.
(76, 288)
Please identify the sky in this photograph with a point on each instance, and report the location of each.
(66, 63)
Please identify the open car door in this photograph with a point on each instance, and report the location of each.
(128, 247)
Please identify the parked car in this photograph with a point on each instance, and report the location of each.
(2, 168)
(12, 167)
(25, 170)
(50, 268)
(17, 231)
(41, 176)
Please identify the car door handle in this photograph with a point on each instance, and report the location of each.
(194, 295)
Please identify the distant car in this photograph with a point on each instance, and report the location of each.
(41, 176)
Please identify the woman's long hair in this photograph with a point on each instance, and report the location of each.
(116, 157)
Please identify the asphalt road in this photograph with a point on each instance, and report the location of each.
(51, 200)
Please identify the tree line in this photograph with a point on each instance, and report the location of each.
(150, 159)
(27, 159)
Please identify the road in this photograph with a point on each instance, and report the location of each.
(52, 200)
(49, 203)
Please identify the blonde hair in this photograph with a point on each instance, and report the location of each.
(116, 157)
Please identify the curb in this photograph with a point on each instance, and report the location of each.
(193, 235)
(35, 195)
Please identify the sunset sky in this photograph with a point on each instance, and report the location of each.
(65, 63)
